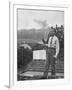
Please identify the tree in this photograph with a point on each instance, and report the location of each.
(51, 27)
(56, 26)
(62, 27)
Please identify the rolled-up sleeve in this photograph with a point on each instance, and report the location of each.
(57, 47)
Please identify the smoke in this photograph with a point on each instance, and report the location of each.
(43, 24)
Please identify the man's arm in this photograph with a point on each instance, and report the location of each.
(48, 43)
(57, 48)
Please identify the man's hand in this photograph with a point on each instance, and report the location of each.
(55, 56)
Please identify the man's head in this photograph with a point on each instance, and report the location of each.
(24, 42)
(52, 33)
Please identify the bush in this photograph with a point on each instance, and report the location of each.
(24, 56)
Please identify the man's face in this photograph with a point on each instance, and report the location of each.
(52, 34)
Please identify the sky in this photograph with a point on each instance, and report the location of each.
(26, 18)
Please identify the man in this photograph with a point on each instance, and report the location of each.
(53, 51)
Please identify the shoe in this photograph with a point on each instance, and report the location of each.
(53, 77)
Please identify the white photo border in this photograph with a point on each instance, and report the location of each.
(13, 47)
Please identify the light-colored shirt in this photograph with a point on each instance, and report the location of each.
(54, 42)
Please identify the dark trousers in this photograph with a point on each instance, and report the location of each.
(50, 61)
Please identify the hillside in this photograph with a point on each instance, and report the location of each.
(32, 34)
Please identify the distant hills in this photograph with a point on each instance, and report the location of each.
(33, 34)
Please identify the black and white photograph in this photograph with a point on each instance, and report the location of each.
(40, 44)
